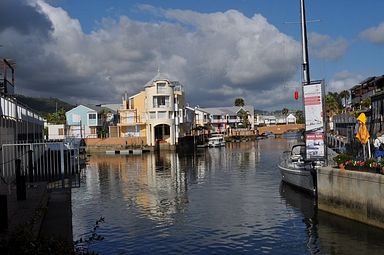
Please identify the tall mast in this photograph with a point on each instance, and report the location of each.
(306, 78)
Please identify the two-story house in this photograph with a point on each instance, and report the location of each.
(157, 113)
(84, 121)
(220, 119)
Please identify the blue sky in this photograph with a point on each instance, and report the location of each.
(94, 51)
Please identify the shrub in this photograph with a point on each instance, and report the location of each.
(341, 158)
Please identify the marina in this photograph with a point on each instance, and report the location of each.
(191, 128)
(230, 200)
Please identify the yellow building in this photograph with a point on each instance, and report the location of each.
(157, 113)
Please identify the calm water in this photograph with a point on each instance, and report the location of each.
(219, 201)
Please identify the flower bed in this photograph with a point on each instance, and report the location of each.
(368, 166)
(375, 170)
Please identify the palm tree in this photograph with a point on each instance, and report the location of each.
(299, 117)
(332, 106)
(344, 95)
(243, 115)
(239, 102)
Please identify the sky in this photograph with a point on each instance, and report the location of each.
(93, 52)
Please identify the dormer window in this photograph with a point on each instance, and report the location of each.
(160, 87)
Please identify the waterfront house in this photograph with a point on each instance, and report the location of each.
(201, 117)
(56, 131)
(84, 121)
(221, 119)
(157, 113)
(365, 89)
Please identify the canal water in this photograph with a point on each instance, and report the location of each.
(217, 201)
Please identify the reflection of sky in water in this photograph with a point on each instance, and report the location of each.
(219, 200)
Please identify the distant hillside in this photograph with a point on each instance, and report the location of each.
(44, 105)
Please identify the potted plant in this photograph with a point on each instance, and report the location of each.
(341, 158)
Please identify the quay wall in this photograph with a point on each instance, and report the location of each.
(279, 129)
(355, 195)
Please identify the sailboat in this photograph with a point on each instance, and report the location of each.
(298, 166)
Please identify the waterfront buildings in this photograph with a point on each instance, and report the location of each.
(157, 113)
(222, 119)
(18, 123)
(85, 121)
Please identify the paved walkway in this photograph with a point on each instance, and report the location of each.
(58, 220)
(49, 213)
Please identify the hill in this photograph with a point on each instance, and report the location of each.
(44, 105)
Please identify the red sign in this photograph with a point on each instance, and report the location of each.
(296, 95)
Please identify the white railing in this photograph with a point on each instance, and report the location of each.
(39, 162)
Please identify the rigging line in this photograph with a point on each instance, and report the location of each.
(4, 163)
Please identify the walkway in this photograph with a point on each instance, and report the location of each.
(49, 213)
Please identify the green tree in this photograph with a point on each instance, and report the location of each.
(344, 95)
(285, 111)
(243, 115)
(366, 103)
(299, 117)
(56, 117)
(332, 106)
(239, 102)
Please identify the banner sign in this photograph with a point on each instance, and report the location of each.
(313, 95)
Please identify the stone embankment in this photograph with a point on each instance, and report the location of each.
(355, 195)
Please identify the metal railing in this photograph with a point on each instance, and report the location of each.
(50, 162)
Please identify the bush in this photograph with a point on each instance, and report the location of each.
(341, 158)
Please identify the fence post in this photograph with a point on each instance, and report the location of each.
(62, 165)
(21, 192)
(3, 213)
(30, 165)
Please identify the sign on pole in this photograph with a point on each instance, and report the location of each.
(313, 95)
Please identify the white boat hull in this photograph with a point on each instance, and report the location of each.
(296, 171)
(301, 178)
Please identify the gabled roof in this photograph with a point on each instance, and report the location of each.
(232, 110)
(90, 107)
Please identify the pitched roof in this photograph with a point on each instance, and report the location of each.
(158, 77)
(232, 110)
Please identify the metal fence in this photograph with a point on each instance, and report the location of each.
(50, 162)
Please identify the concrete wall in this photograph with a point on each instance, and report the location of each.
(354, 195)
(280, 129)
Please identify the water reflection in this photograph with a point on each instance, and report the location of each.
(217, 200)
(330, 234)
(307, 206)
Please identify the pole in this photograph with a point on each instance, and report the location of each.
(306, 77)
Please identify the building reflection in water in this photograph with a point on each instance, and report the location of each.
(152, 183)
(157, 183)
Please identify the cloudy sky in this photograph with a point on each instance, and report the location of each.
(87, 51)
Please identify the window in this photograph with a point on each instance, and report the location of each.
(61, 131)
(160, 101)
(92, 116)
(152, 115)
(162, 115)
(93, 130)
(161, 87)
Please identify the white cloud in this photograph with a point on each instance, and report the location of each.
(324, 47)
(374, 34)
(343, 80)
(217, 56)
